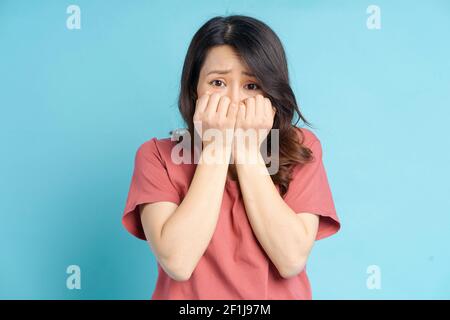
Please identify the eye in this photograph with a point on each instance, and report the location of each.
(252, 86)
(217, 83)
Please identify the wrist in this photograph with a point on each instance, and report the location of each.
(213, 153)
(248, 155)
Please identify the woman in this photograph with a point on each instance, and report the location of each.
(222, 230)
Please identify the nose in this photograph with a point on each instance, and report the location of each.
(235, 94)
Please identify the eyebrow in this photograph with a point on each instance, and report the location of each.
(228, 71)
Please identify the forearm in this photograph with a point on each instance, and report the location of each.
(187, 233)
(277, 227)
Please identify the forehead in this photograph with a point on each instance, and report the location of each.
(223, 57)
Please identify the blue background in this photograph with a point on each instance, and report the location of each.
(76, 104)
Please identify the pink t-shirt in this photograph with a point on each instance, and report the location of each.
(234, 265)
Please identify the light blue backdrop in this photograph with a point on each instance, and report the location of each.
(76, 104)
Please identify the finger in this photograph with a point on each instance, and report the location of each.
(222, 109)
(233, 109)
(250, 108)
(260, 106)
(202, 103)
(268, 108)
(241, 112)
(212, 103)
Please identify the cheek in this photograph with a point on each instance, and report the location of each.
(202, 88)
(251, 93)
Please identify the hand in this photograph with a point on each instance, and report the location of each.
(214, 120)
(253, 123)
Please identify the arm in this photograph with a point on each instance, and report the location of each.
(179, 235)
(286, 237)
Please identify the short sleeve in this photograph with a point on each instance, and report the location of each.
(309, 191)
(150, 183)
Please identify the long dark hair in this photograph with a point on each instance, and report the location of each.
(262, 51)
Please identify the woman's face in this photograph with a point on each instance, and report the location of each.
(224, 72)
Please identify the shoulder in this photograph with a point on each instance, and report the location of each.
(156, 156)
(155, 148)
(307, 137)
(157, 144)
